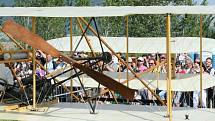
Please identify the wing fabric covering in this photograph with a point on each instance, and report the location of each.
(20, 33)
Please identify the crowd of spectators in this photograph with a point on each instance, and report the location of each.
(184, 65)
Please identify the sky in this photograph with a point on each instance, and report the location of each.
(210, 2)
(6, 2)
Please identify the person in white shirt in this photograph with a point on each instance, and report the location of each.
(210, 70)
(49, 64)
(5, 75)
(196, 94)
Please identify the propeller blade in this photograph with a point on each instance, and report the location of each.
(20, 33)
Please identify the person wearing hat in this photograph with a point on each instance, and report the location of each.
(140, 64)
(113, 65)
(130, 65)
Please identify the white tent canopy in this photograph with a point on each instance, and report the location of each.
(137, 45)
(102, 11)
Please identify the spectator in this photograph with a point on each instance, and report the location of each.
(152, 62)
(189, 70)
(162, 69)
(40, 56)
(50, 64)
(59, 64)
(140, 64)
(23, 69)
(113, 65)
(189, 66)
(179, 68)
(210, 70)
(196, 94)
(5, 76)
(177, 95)
(134, 64)
(129, 65)
(40, 72)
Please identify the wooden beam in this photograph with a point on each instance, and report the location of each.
(34, 64)
(201, 69)
(169, 73)
(71, 49)
(127, 47)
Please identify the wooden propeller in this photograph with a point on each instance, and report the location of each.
(20, 33)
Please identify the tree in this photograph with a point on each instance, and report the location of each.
(154, 25)
(1, 18)
(139, 25)
(75, 27)
(48, 28)
(82, 2)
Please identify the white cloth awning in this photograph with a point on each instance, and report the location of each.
(102, 11)
(137, 45)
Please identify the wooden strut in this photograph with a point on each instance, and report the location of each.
(34, 65)
(169, 68)
(103, 41)
(71, 48)
(201, 69)
(15, 60)
(20, 83)
(86, 38)
(85, 92)
(12, 61)
(19, 32)
(1, 48)
(91, 48)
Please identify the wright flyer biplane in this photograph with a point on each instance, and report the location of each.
(34, 90)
